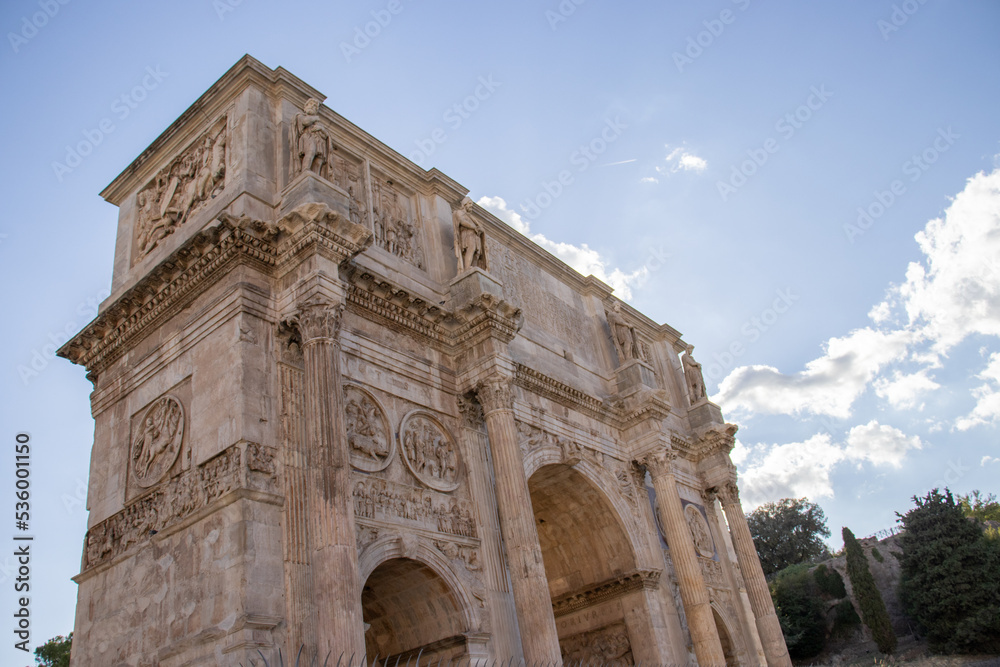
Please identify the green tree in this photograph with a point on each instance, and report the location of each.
(873, 611)
(978, 506)
(800, 611)
(788, 532)
(950, 579)
(55, 652)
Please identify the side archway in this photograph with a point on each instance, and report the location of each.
(413, 603)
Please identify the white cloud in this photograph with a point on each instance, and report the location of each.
(679, 159)
(904, 391)
(793, 470)
(649, 179)
(581, 257)
(987, 410)
(952, 294)
(987, 460)
(797, 469)
(880, 445)
(955, 292)
(829, 385)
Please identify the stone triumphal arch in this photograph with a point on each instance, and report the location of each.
(340, 408)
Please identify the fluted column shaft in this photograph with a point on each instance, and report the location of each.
(694, 595)
(530, 587)
(768, 626)
(334, 559)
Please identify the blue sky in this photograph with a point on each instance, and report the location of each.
(731, 145)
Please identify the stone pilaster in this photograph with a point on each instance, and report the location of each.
(334, 558)
(517, 526)
(760, 599)
(694, 595)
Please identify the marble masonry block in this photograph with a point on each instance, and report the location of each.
(308, 188)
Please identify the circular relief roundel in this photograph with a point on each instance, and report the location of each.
(158, 441)
(429, 451)
(369, 436)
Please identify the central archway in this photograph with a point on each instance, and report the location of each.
(586, 551)
(409, 610)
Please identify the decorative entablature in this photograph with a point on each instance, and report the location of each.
(606, 591)
(170, 286)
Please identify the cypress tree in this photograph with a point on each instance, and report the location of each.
(950, 579)
(873, 611)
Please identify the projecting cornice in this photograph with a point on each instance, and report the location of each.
(170, 286)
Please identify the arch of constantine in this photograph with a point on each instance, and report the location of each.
(341, 408)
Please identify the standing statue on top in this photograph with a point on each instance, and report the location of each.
(693, 377)
(312, 143)
(470, 246)
(623, 333)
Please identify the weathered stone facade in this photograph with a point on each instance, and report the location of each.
(340, 407)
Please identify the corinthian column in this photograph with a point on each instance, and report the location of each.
(768, 626)
(694, 595)
(334, 552)
(517, 526)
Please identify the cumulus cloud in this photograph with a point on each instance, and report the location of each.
(954, 292)
(773, 471)
(904, 391)
(792, 470)
(582, 258)
(879, 444)
(987, 409)
(829, 385)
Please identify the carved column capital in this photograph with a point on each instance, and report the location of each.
(708, 497)
(496, 393)
(660, 462)
(728, 493)
(317, 319)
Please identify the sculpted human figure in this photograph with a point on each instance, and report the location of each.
(213, 164)
(312, 143)
(693, 377)
(469, 237)
(623, 334)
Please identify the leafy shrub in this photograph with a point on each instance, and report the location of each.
(830, 582)
(800, 611)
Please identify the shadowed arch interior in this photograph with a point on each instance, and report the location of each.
(409, 607)
(582, 540)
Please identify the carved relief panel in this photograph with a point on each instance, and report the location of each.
(395, 223)
(158, 441)
(610, 644)
(704, 544)
(156, 448)
(369, 435)
(429, 451)
(180, 189)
